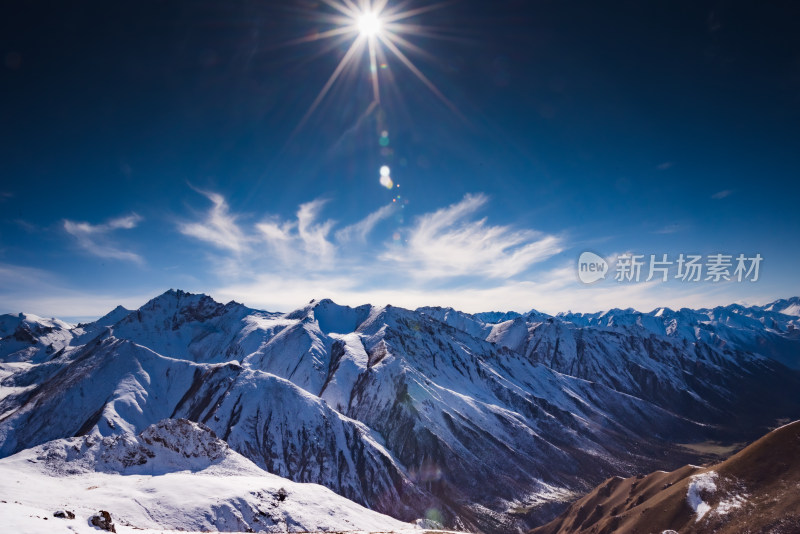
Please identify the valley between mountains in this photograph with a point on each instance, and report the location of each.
(190, 414)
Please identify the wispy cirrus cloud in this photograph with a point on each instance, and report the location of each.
(719, 195)
(452, 242)
(672, 228)
(446, 243)
(359, 231)
(447, 256)
(303, 241)
(218, 227)
(313, 234)
(306, 241)
(95, 238)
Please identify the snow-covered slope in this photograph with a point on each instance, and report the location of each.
(487, 422)
(785, 306)
(27, 337)
(115, 387)
(175, 475)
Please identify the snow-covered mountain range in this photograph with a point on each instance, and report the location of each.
(487, 422)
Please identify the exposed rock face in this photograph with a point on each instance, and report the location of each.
(488, 427)
(64, 514)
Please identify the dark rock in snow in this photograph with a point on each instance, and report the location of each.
(102, 520)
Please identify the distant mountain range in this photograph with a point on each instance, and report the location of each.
(488, 423)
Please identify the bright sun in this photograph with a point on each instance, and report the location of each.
(376, 28)
(369, 25)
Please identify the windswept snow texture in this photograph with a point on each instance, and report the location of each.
(176, 475)
(488, 422)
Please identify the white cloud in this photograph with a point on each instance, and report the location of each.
(303, 242)
(448, 242)
(719, 195)
(670, 229)
(552, 291)
(313, 235)
(46, 294)
(359, 231)
(443, 245)
(218, 228)
(94, 238)
(452, 257)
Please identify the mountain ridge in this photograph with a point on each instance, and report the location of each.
(540, 407)
(754, 490)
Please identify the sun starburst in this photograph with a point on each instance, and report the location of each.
(373, 28)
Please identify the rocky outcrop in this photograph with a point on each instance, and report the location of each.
(102, 520)
(755, 490)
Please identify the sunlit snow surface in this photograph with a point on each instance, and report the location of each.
(174, 476)
(26, 519)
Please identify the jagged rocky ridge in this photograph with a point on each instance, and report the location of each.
(488, 426)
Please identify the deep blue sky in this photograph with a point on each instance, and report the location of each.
(645, 127)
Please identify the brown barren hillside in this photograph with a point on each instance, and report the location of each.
(756, 490)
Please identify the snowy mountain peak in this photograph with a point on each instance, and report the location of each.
(28, 322)
(338, 319)
(790, 306)
(177, 299)
(472, 324)
(179, 307)
(494, 317)
(120, 309)
(109, 319)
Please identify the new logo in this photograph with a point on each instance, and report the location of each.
(591, 267)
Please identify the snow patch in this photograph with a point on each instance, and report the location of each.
(704, 482)
(543, 494)
(731, 503)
